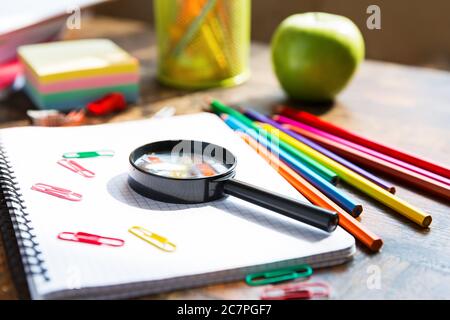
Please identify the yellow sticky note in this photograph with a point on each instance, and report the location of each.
(65, 60)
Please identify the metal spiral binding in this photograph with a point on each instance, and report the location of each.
(21, 247)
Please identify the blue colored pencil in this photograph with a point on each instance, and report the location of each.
(328, 189)
(325, 172)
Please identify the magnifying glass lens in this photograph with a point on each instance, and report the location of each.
(180, 166)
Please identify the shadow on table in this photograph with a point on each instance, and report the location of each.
(270, 105)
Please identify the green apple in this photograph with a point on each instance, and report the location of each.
(315, 55)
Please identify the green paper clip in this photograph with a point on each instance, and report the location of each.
(88, 154)
(279, 275)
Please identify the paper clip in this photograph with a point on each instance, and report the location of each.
(75, 167)
(57, 192)
(300, 290)
(153, 238)
(90, 239)
(88, 154)
(54, 118)
(279, 275)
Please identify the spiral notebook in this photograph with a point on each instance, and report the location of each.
(216, 242)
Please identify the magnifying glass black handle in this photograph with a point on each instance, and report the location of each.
(297, 210)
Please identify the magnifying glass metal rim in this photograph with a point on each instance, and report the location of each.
(218, 176)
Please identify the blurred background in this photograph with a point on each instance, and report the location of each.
(413, 32)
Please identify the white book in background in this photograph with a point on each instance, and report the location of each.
(33, 21)
(218, 241)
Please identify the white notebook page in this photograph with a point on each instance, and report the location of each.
(223, 235)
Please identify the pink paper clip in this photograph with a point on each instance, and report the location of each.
(75, 167)
(57, 192)
(91, 239)
(300, 290)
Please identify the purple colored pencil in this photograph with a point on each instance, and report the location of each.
(262, 118)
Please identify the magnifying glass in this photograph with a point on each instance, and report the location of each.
(189, 171)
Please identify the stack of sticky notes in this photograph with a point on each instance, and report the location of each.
(67, 75)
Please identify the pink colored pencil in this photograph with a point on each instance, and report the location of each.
(285, 120)
(321, 124)
(411, 177)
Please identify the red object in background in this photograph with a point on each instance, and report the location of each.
(110, 103)
(8, 73)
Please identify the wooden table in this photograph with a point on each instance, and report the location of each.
(402, 106)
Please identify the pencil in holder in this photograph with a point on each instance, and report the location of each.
(202, 43)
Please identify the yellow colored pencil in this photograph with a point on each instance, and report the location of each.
(414, 214)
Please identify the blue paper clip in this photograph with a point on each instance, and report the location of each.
(279, 275)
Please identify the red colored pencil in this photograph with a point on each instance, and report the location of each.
(367, 160)
(353, 226)
(318, 123)
(358, 147)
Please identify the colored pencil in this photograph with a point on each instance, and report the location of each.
(327, 174)
(358, 147)
(219, 108)
(262, 118)
(353, 137)
(414, 214)
(413, 178)
(353, 226)
(332, 192)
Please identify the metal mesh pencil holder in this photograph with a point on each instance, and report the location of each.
(203, 43)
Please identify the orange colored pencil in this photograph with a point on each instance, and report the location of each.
(370, 161)
(353, 226)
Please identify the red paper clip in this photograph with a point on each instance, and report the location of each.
(57, 192)
(90, 239)
(301, 290)
(111, 102)
(75, 167)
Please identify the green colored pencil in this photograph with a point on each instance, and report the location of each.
(219, 108)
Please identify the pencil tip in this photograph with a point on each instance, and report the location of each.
(427, 221)
(208, 100)
(224, 116)
(376, 245)
(278, 108)
(357, 210)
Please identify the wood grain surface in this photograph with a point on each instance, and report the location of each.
(405, 107)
